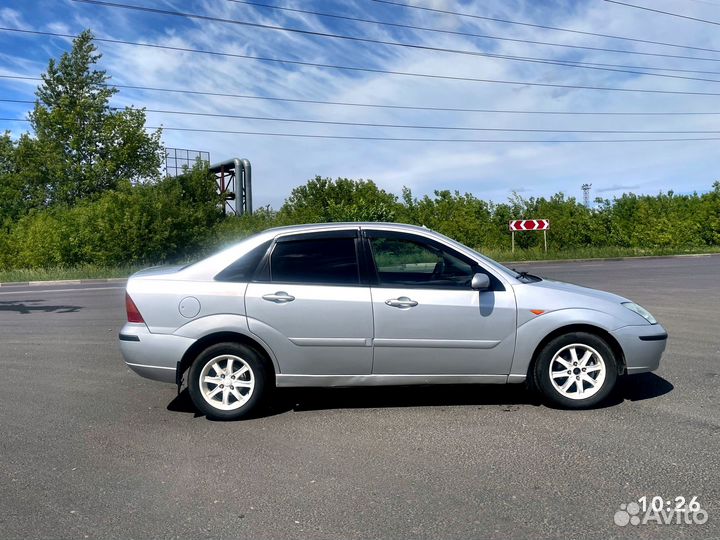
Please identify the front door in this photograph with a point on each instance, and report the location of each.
(311, 309)
(427, 318)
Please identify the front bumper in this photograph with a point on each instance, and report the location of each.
(153, 356)
(642, 346)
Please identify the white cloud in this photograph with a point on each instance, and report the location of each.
(12, 18)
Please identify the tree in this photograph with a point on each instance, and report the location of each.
(462, 217)
(322, 200)
(82, 146)
(10, 187)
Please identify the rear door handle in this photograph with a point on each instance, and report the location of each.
(402, 302)
(280, 297)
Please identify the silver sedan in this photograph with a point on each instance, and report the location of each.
(364, 304)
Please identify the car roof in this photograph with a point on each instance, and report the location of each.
(344, 225)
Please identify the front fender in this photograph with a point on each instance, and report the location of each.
(530, 334)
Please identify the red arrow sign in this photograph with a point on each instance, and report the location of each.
(529, 224)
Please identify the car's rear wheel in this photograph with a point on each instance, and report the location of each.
(576, 370)
(227, 381)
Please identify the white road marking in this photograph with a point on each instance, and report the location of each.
(33, 291)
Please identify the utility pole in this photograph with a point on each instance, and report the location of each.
(586, 194)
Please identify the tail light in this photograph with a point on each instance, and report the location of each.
(133, 313)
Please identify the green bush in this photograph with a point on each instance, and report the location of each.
(176, 219)
(324, 200)
(147, 223)
(38, 240)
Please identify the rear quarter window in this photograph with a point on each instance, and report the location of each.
(243, 269)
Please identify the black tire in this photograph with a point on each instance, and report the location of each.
(219, 355)
(543, 381)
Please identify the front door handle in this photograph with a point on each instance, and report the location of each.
(280, 297)
(402, 302)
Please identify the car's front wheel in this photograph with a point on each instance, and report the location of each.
(227, 381)
(576, 370)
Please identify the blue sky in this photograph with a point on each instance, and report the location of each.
(488, 170)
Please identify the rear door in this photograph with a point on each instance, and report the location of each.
(428, 319)
(309, 306)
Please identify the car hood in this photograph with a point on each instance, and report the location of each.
(550, 296)
(550, 286)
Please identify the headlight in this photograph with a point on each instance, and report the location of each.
(644, 313)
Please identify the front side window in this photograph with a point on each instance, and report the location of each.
(405, 262)
(322, 261)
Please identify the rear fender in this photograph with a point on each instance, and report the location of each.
(211, 324)
(226, 323)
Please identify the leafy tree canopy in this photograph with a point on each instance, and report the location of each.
(82, 146)
(323, 200)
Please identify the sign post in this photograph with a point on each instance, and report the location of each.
(529, 225)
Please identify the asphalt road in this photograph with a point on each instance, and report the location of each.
(89, 449)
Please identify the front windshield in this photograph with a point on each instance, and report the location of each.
(525, 277)
(508, 271)
(484, 258)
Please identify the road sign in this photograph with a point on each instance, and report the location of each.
(529, 224)
(518, 225)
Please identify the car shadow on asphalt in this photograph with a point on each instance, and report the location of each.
(24, 308)
(508, 397)
(643, 386)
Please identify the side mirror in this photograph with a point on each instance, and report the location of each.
(480, 282)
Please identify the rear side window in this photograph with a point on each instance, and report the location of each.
(243, 269)
(328, 261)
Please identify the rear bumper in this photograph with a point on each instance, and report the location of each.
(153, 356)
(642, 346)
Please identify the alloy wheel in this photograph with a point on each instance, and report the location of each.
(577, 371)
(227, 382)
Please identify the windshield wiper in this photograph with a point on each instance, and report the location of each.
(526, 276)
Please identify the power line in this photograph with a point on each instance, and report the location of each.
(389, 106)
(470, 34)
(645, 8)
(413, 139)
(7, 100)
(431, 127)
(533, 25)
(536, 60)
(410, 126)
(485, 36)
(373, 70)
(407, 139)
